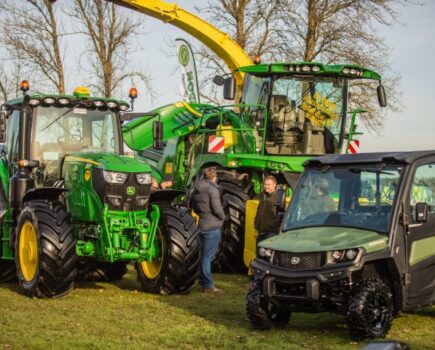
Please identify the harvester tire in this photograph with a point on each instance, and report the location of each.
(45, 254)
(177, 267)
(7, 270)
(263, 314)
(236, 190)
(370, 310)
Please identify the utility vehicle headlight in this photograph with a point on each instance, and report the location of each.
(114, 178)
(63, 101)
(98, 104)
(112, 104)
(351, 254)
(337, 255)
(143, 179)
(34, 102)
(49, 100)
(265, 253)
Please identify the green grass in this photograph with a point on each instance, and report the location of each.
(120, 316)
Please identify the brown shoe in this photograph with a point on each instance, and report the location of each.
(212, 290)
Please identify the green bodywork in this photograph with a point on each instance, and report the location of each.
(102, 234)
(320, 239)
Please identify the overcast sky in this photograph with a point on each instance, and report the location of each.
(413, 57)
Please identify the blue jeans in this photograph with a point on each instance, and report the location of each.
(210, 242)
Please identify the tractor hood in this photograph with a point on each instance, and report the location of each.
(318, 239)
(110, 161)
(178, 119)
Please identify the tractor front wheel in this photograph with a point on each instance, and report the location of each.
(175, 269)
(45, 246)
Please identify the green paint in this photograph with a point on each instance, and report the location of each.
(317, 239)
(422, 250)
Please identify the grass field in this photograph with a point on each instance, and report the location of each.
(119, 316)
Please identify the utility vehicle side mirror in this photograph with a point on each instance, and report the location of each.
(158, 135)
(382, 97)
(3, 117)
(229, 88)
(421, 211)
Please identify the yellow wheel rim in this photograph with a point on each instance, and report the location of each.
(28, 250)
(152, 268)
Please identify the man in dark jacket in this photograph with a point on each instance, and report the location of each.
(268, 218)
(206, 202)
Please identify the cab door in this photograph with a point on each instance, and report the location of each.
(421, 237)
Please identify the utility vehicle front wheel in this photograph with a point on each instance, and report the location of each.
(176, 267)
(262, 314)
(370, 311)
(7, 270)
(45, 254)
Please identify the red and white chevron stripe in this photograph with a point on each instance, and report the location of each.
(216, 144)
(354, 147)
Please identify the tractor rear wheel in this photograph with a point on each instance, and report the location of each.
(45, 253)
(176, 267)
(236, 190)
(7, 270)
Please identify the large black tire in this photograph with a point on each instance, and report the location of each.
(370, 310)
(52, 255)
(177, 266)
(97, 271)
(7, 270)
(236, 190)
(263, 314)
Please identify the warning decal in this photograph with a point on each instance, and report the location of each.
(216, 144)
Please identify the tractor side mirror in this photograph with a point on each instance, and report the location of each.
(3, 117)
(229, 88)
(218, 80)
(421, 211)
(158, 135)
(382, 97)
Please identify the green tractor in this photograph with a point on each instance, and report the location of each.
(288, 113)
(71, 203)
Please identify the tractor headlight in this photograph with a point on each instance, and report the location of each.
(114, 178)
(264, 252)
(34, 102)
(98, 104)
(63, 101)
(111, 104)
(49, 100)
(143, 179)
(123, 108)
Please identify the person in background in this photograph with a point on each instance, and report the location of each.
(269, 214)
(162, 186)
(206, 203)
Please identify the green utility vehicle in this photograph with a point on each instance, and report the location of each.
(358, 239)
(71, 202)
(288, 112)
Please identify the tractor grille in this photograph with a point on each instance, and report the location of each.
(116, 197)
(298, 261)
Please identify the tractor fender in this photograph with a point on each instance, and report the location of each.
(164, 195)
(51, 193)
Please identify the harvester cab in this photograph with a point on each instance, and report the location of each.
(74, 205)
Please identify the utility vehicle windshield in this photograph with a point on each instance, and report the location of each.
(360, 197)
(59, 131)
(305, 112)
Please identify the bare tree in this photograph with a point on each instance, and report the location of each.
(10, 76)
(110, 31)
(251, 23)
(31, 34)
(343, 31)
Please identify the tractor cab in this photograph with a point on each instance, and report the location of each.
(300, 108)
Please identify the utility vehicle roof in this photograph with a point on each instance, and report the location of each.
(361, 158)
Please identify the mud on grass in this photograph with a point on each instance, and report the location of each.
(118, 315)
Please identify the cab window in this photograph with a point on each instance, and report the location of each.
(423, 188)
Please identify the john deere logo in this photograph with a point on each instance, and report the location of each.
(183, 55)
(295, 260)
(131, 190)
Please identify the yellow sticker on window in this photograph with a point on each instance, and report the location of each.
(168, 168)
(87, 175)
(319, 110)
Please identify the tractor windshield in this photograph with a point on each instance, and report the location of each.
(59, 131)
(355, 197)
(305, 112)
